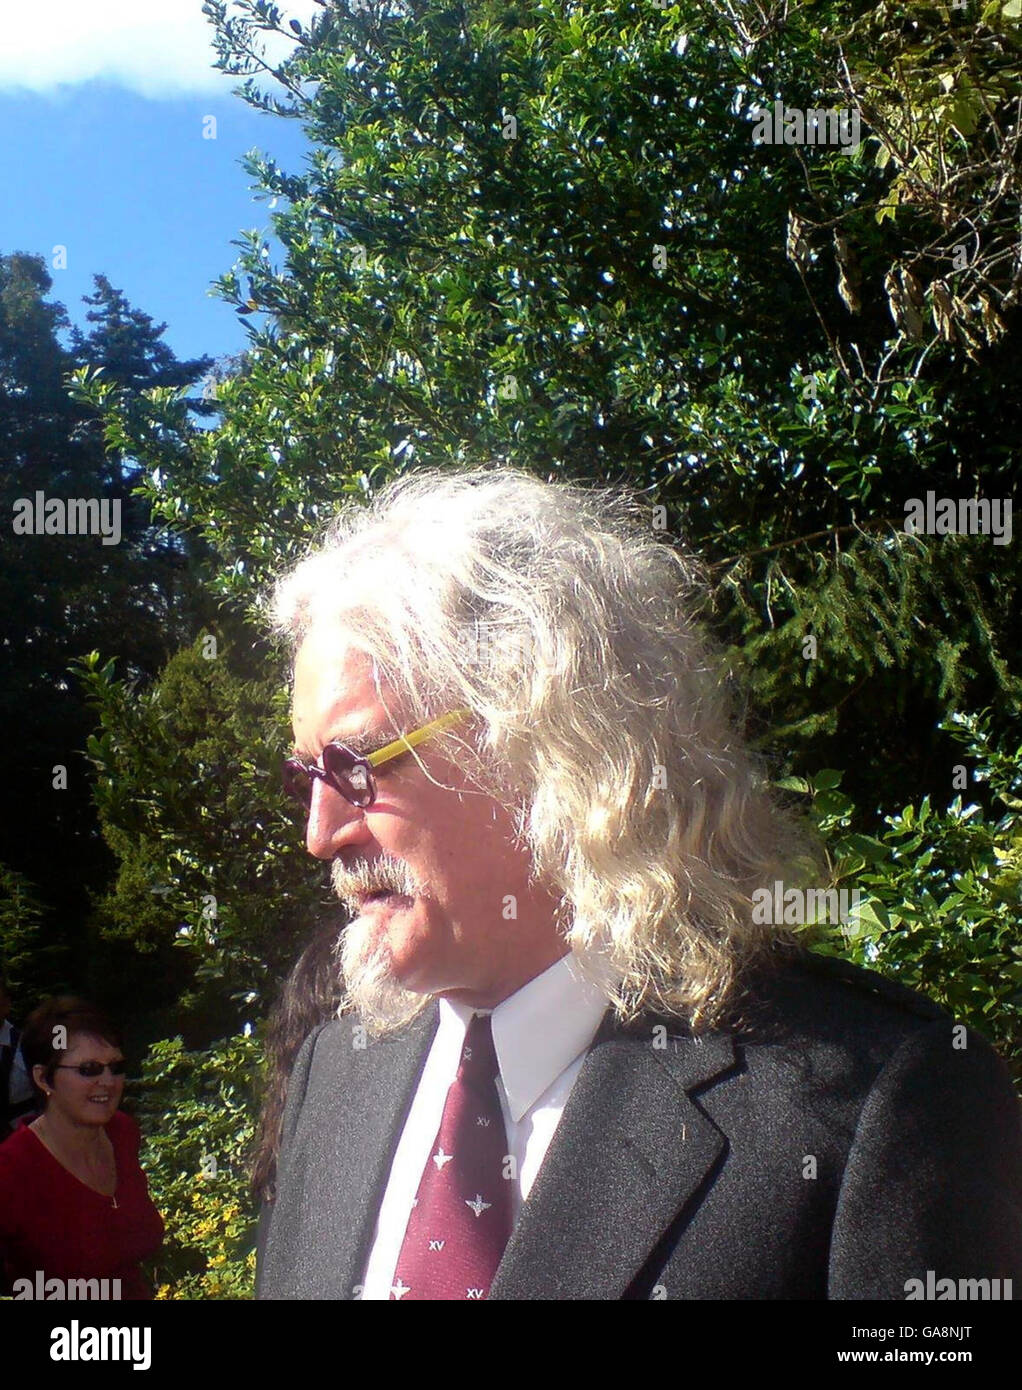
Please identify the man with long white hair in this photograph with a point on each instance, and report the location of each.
(571, 1055)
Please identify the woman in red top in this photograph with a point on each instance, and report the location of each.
(74, 1203)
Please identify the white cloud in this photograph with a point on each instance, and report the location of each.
(159, 48)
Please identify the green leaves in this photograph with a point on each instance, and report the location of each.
(198, 1113)
(600, 290)
(188, 801)
(24, 955)
(941, 896)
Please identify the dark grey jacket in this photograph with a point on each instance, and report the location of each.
(835, 1143)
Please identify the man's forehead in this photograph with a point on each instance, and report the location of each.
(328, 665)
(336, 692)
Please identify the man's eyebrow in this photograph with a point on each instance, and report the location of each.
(368, 742)
(364, 741)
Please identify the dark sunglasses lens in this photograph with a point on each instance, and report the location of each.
(297, 782)
(350, 776)
(91, 1069)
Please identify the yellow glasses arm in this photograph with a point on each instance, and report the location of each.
(406, 741)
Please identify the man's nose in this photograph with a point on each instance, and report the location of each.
(333, 822)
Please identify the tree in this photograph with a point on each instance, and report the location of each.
(515, 241)
(129, 348)
(63, 593)
(546, 234)
(211, 886)
(25, 963)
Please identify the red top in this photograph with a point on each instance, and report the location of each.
(52, 1225)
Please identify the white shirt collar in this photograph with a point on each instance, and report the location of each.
(539, 1030)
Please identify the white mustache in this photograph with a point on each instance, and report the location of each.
(385, 874)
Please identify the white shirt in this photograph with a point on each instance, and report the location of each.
(541, 1035)
(20, 1086)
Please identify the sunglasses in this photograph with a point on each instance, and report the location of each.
(351, 773)
(91, 1069)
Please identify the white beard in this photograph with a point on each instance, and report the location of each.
(369, 987)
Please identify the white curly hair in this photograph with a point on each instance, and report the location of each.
(563, 620)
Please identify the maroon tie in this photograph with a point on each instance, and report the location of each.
(461, 1219)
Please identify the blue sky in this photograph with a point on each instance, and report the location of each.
(102, 113)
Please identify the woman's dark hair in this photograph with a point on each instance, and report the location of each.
(309, 996)
(49, 1029)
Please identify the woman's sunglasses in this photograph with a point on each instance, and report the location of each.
(94, 1068)
(351, 773)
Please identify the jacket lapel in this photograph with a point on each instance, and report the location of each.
(355, 1106)
(630, 1151)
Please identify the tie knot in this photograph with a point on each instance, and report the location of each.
(478, 1065)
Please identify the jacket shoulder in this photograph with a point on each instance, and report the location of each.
(804, 991)
(831, 1029)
